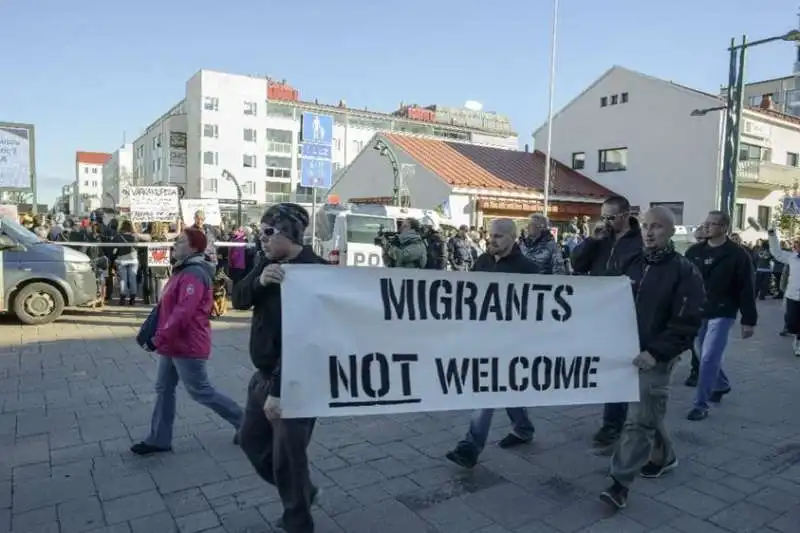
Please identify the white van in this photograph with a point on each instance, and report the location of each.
(347, 233)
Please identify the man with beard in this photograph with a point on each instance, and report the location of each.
(276, 447)
(540, 247)
(607, 253)
(668, 295)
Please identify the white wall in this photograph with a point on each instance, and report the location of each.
(117, 172)
(510, 142)
(89, 187)
(672, 157)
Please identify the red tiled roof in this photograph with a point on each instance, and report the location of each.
(483, 167)
(92, 158)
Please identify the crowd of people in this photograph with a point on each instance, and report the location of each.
(683, 303)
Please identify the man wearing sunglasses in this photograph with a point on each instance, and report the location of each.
(276, 447)
(608, 253)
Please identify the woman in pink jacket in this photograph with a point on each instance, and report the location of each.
(183, 342)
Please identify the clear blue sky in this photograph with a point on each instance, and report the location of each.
(86, 71)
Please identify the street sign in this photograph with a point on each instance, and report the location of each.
(316, 151)
(791, 205)
(316, 173)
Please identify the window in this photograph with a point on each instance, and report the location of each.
(337, 143)
(249, 187)
(614, 99)
(675, 207)
(249, 135)
(792, 159)
(279, 162)
(613, 160)
(85, 183)
(85, 170)
(94, 183)
(248, 161)
(603, 101)
(279, 187)
(363, 229)
(764, 216)
(281, 136)
(578, 160)
(738, 217)
(280, 110)
(211, 103)
(211, 131)
(752, 152)
(282, 173)
(210, 158)
(358, 146)
(624, 98)
(251, 108)
(94, 170)
(210, 185)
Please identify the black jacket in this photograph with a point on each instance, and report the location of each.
(668, 296)
(437, 251)
(513, 263)
(607, 256)
(123, 239)
(265, 327)
(728, 278)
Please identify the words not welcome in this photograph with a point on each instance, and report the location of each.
(371, 341)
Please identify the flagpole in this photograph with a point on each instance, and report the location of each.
(551, 95)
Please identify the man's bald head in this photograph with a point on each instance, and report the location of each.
(658, 227)
(504, 226)
(502, 236)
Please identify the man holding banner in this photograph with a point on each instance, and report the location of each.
(276, 447)
(668, 296)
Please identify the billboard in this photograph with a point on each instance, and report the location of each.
(16, 156)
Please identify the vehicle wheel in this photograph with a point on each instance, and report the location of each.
(38, 303)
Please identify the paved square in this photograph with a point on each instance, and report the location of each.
(74, 395)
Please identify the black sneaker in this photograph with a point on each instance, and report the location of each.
(511, 440)
(606, 436)
(142, 448)
(616, 496)
(651, 470)
(691, 381)
(315, 492)
(697, 414)
(717, 395)
(462, 459)
(784, 333)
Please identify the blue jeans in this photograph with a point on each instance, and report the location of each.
(481, 423)
(193, 374)
(127, 279)
(711, 342)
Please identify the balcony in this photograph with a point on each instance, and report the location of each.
(278, 197)
(279, 148)
(766, 175)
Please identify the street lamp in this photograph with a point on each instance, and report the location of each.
(734, 106)
(551, 93)
(230, 177)
(386, 151)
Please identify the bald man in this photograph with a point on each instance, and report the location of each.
(668, 294)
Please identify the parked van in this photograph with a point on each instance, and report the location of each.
(347, 234)
(39, 279)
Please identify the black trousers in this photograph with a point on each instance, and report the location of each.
(278, 451)
(695, 362)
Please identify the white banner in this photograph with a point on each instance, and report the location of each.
(209, 207)
(153, 204)
(366, 341)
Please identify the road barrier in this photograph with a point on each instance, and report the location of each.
(167, 244)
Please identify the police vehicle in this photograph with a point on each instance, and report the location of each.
(346, 233)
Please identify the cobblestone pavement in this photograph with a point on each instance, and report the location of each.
(77, 393)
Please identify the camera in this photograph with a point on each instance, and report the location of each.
(385, 238)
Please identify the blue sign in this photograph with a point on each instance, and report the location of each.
(317, 129)
(316, 152)
(316, 173)
(319, 151)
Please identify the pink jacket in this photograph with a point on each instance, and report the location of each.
(236, 257)
(183, 327)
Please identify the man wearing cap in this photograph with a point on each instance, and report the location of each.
(276, 447)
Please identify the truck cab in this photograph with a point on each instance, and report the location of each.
(39, 279)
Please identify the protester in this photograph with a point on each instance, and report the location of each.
(612, 247)
(694, 373)
(237, 257)
(436, 248)
(727, 271)
(276, 447)
(503, 255)
(763, 263)
(126, 259)
(540, 247)
(459, 250)
(792, 287)
(668, 295)
(183, 342)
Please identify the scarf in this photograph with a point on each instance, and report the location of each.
(656, 255)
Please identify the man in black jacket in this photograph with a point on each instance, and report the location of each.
(608, 254)
(728, 275)
(668, 295)
(502, 255)
(276, 447)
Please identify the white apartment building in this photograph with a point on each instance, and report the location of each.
(64, 201)
(229, 123)
(117, 175)
(88, 190)
(637, 135)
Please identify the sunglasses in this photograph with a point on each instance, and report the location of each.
(266, 233)
(612, 218)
